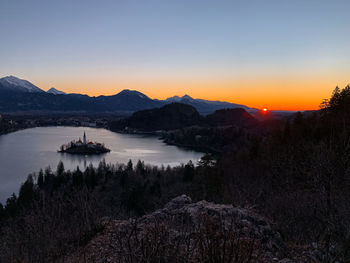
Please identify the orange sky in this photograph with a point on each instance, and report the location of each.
(280, 93)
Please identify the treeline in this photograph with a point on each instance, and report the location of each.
(219, 140)
(12, 123)
(56, 212)
(7, 126)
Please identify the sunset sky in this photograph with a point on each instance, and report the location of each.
(283, 54)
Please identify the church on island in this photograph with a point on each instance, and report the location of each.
(83, 147)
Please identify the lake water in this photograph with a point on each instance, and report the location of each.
(27, 151)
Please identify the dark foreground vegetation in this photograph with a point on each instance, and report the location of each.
(297, 176)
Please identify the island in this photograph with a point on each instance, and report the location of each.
(83, 147)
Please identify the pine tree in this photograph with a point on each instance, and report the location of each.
(26, 192)
(129, 166)
(11, 205)
(60, 168)
(188, 172)
(206, 161)
(40, 181)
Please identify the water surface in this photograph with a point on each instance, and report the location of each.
(27, 151)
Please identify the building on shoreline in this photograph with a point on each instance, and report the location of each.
(84, 147)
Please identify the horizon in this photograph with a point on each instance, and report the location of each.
(279, 55)
(168, 97)
(118, 90)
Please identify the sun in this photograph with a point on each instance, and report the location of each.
(264, 110)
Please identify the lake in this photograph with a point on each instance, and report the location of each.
(27, 151)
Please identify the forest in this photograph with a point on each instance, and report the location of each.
(297, 176)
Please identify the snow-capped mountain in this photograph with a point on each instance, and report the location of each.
(127, 92)
(130, 100)
(56, 91)
(11, 83)
(174, 99)
(179, 99)
(205, 106)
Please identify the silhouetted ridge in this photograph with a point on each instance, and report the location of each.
(127, 100)
(20, 95)
(178, 115)
(205, 106)
(228, 117)
(168, 117)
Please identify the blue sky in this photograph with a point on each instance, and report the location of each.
(152, 44)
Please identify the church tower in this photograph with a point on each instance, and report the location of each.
(84, 138)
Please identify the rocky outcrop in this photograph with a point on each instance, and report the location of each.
(184, 231)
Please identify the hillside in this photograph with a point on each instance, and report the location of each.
(126, 100)
(13, 84)
(228, 117)
(169, 117)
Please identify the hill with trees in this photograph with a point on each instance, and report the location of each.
(178, 115)
(168, 117)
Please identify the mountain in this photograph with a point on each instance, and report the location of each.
(205, 106)
(127, 100)
(43, 101)
(227, 117)
(56, 92)
(17, 95)
(178, 99)
(13, 84)
(169, 117)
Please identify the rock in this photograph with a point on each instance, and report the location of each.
(178, 202)
(184, 231)
(286, 260)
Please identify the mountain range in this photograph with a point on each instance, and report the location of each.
(18, 95)
(205, 106)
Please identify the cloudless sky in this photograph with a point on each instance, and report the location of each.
(278, 54)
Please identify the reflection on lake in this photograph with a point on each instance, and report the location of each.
(27, 151)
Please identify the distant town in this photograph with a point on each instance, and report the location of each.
(11, 123)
